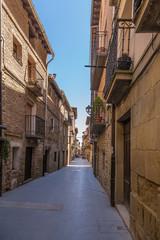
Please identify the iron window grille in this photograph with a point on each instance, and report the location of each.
(100, 39)
(34, 126)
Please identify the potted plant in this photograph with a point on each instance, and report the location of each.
(98, 108)
(124, 62)
(101, 49)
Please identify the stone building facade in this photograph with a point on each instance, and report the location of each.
(101, 26)
(72, 133)
(52, 157)
(25, 48)
(87, 142)
(34, 110)
(131, 87)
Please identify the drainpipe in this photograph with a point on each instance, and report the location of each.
(0, 96)
(45, 117)
(1, 126)
(112, 194)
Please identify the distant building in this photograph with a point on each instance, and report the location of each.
(87, 142)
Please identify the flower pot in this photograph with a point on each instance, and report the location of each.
(124, 62)
(98, 118)
(101, 49)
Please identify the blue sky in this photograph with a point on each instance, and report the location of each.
(67, 25)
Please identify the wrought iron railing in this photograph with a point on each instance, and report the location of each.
(100, 44)
(34, 77)
(34, 126)
(137, 3)
(119, 50)
(98, 113)
(69, 119)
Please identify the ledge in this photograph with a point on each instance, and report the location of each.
(119, 86)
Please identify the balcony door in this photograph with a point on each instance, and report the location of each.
(127, 170)
(30, 120)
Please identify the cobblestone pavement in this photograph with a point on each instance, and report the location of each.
(69, 204)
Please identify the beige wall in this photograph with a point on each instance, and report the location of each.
(143, 103)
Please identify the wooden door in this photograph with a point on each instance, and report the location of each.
(58, 160)
(45, 158)
(28, 163)
(127, 170)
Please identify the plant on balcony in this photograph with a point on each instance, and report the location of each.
(5, 148)
(33, 82)
(124, 62)
(97, 109)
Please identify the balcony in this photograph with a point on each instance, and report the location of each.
(34, 127)
(146, 16)
(68, 121)
(97, 119)
(120, 64)
(98, 57)
(35, 81)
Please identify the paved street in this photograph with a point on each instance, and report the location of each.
(69, 204)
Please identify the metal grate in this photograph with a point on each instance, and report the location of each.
(34, 126)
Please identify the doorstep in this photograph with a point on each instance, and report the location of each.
(123, 212)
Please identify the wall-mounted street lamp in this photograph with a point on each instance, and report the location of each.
(88, 109)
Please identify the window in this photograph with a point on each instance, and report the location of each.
(52, 124)
(17, 50)
(55, 156)
(32, 74)
(15, 158)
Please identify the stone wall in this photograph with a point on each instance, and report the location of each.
(104, 158)
(145, 155)
(143, 103)
(16, 94)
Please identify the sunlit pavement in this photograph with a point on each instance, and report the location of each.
(69, 204)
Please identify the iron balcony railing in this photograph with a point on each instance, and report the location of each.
(119, 50)
(34, 126)
(97, 117)
(34, 77)
(137, 3)
(70, 120)
(100, 43)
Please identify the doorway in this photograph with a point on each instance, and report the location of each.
(127, 171)
(58, 160)
(28, 162)
(45, 160)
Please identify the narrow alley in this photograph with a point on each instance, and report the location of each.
(69, 204)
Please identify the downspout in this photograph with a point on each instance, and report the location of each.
(45, 117)
(1, 126)
(0, 96)
(112, 180)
